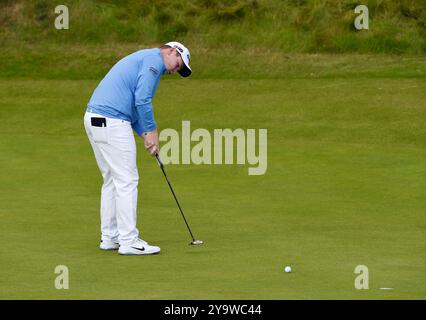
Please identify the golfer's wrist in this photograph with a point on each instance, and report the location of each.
(146, 133)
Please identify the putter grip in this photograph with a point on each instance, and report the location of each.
(158, 160)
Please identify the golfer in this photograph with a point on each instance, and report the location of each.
(122, 102)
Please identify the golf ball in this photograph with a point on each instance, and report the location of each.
(287, 269)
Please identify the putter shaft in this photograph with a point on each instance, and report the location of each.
(174, 195)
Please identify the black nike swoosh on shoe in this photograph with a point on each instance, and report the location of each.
(143, 249)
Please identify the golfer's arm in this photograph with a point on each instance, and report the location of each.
(146, 121)
(147, 83)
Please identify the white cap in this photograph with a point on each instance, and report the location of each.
(184, 53)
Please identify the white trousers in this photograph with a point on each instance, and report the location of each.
(115, 152)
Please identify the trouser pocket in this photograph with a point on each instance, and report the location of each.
(99, 130)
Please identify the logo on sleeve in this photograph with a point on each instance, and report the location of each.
(153, 70)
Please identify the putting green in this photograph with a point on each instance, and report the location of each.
(345, 186)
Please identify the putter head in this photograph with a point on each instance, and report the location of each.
(196, 242)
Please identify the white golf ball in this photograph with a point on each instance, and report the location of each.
(287, 269)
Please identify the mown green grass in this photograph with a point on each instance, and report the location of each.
(66, 62)
(345, 186)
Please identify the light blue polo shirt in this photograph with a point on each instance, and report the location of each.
(127, 90)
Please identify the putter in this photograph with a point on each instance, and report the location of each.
(194, 242)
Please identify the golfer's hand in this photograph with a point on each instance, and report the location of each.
(151, 142)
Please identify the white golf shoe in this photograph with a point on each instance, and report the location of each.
(137, 248)
(108, 245)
